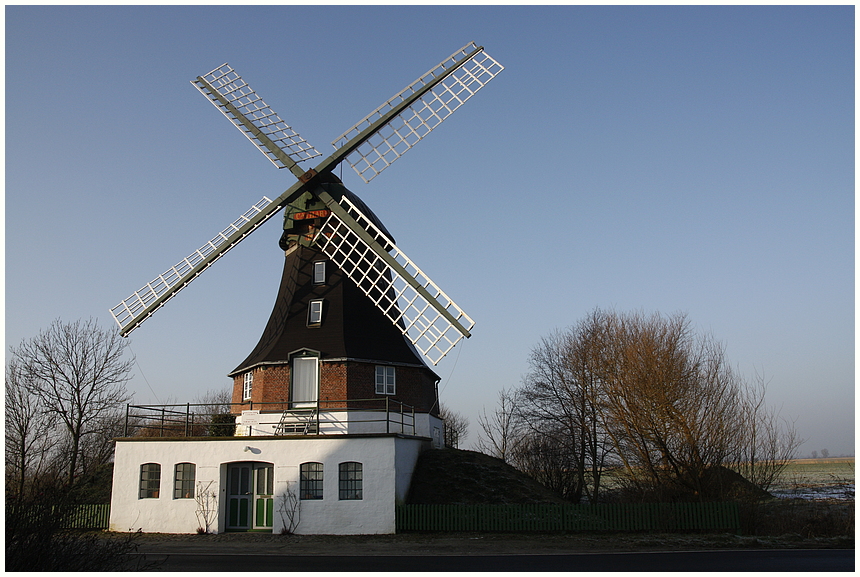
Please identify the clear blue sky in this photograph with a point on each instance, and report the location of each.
(693, 159)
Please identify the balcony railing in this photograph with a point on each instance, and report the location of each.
(327, 417)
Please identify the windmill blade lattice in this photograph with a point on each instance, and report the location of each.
(403, 131)
(426, 316)
(142, 303)
(257, 121)
(431, 321)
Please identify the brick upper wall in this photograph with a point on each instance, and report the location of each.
(339, 381)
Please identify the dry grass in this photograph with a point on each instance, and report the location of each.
(802, 517)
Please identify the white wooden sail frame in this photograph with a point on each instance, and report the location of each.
(403, 131)
(407, 296)
(418, 317)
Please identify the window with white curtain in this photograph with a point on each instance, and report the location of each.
(305, 381)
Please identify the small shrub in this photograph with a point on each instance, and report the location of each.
(222, 425)
(811, 519)
(37, 541)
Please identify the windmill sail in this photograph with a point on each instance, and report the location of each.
(253, 117)
(408, 297)
(464, 73)
(142, 303)
(429, 319)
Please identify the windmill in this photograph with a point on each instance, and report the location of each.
(325, 224)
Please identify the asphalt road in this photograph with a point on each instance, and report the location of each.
(724, 560)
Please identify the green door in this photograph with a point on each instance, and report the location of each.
(250, 504)
(263, 500)
(239, 497)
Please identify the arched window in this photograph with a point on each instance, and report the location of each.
(150, 481)
(311, 481)
(183, 481)
(349, 481)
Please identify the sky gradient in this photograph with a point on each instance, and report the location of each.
(654, 159)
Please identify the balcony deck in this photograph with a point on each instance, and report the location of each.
(329, 417)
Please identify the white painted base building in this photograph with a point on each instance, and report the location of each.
(337, 483)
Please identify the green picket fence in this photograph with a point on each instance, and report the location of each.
(89, 517)
(662, 517)
(75, 517)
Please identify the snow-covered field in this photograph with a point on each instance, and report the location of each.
(817, 479)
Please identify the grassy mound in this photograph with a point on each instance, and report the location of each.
(457, 477)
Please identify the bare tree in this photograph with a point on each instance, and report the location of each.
(96, 448)
(647, 394)
(456, 426)
(28, 443)
(547, 457)
(766, 443)
(562, 396)
(78, 373)
(588, 363)
(214, 413)
(502, 431)
(217, 401)
(671, 403)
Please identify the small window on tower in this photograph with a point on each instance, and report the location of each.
(319, 272)
(247, 385)
(315, 312)
(384, 380)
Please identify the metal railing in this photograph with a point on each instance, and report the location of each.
(179, 420)
(333, 416)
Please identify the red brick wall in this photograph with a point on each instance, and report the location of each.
(339, 381)
(333, 378)
(236, 408)
(414, 386)
(271, 385)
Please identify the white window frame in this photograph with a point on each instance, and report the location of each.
(247, 385)
(386, 380)
(310, 481)
(149, 484)
(350, 481)
(315, 312)
(183, 480)
(319, 272)
(304, 391)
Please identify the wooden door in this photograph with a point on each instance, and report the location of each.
(239, 496)
(263, 498)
